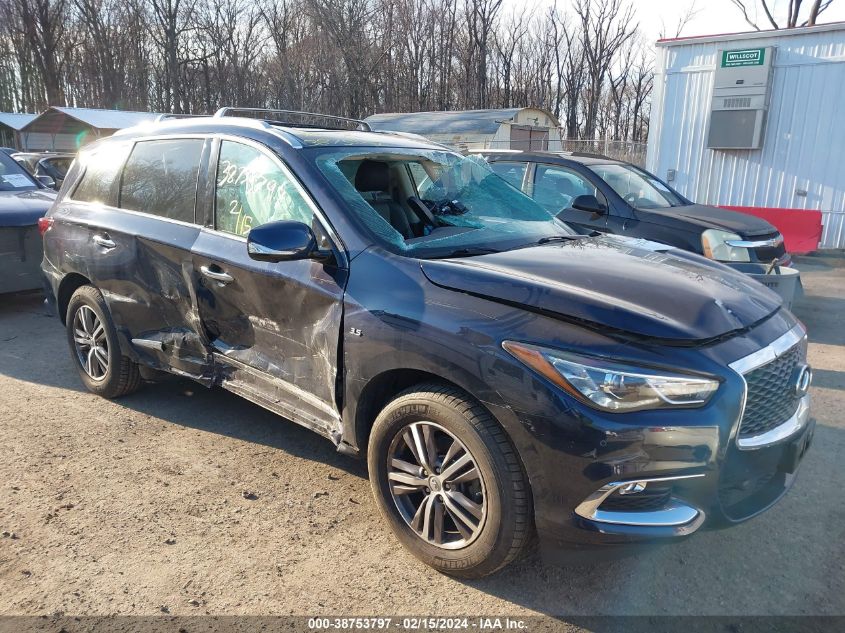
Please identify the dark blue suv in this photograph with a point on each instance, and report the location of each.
(502, 374)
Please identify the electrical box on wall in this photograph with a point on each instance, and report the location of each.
(741, 88)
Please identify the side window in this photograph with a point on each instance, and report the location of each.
(512, 172)
(555, 187)
(252, 189)
(102, 166)
(421, 177)
(160, 177)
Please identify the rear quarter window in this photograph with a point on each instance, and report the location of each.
(101, 167)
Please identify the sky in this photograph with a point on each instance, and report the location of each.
(657, 17)
(713, 16)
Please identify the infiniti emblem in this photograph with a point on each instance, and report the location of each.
(803, 378)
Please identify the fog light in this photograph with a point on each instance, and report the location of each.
(632, 488)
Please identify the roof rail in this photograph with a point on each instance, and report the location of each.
(283, 117)
(586, 155)
(165, 117)
(493, 150)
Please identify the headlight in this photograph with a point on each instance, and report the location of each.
(611, 386)
(714, 246)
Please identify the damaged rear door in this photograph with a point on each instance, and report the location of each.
(274, 328)
(131, 232)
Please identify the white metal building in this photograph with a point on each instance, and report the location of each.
(777, 94)
(505, 128)
(68, 129)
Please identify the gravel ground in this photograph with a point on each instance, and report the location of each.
(189, 501)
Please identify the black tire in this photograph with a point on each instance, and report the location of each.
(121, 376)
(507, 524)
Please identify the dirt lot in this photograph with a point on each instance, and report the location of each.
(183, 500)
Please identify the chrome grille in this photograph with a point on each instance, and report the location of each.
(766, 254)
(771, 398)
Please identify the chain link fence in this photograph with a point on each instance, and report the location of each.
(629, 151)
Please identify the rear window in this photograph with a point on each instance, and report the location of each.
(13, 177)
(160, 178)
(102, 165)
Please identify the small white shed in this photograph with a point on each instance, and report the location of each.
(754, 121)
(68, 129)
(504, 128)
(10, 127)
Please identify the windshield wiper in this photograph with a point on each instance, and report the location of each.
(566, 238)
(466, 252)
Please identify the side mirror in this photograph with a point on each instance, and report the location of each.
(589, 203)
(47, 181)
(285, 240)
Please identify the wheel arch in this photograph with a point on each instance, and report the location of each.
(380, 390)
(70, 283)
(386, 385)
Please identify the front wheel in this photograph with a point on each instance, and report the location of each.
(94, 347)
(449, 482)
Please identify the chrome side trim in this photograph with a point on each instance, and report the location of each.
(148, 343)
(675, 513)
(770, 352)
(282, 384)
(770, 243)
(786, 430)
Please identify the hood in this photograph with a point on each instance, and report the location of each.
(612, 285)
(715, 218)
(23, 208)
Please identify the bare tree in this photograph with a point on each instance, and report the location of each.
(682, 23)
(43, 24)
(605, 27)
(480, 18)
(793, 12)
(349, 57)
(171, 20)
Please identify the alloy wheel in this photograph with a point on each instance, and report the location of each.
(436, 485)
(90, 343)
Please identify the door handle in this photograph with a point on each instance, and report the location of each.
(223, 278)
(103, 241)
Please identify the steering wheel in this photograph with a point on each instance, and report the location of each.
(423, 210)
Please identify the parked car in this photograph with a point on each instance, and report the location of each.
(50, 166)
(500, 373)
(8, 150)
(596, 193)
(23, 200)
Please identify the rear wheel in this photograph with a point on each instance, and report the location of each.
(94, 346)
(449, 482)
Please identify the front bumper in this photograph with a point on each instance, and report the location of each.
(705, 474)
(749, 484)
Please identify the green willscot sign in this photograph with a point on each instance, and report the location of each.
(744, 57)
